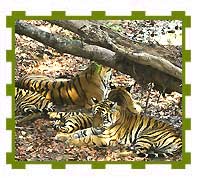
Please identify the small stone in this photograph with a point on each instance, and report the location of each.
(29, 148)
(23, 133)
(50, 150)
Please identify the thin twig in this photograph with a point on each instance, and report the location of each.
(28, 128)
(147, 101)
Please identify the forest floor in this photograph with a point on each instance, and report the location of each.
(35, 139)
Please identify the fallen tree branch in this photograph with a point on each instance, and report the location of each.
(95, 33)
(142, 74)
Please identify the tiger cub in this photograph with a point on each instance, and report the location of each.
(128, 128)
(30, 104)
(90, 83)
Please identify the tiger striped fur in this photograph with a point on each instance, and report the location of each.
(30, 104)
(90, 83)
(69, 122)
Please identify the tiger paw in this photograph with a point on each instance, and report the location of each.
(63, 137)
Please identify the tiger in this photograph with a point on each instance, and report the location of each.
(144, 134)
(30, 104)
(91, 82)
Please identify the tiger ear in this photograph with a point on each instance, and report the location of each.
(128, 88)
(94, 100)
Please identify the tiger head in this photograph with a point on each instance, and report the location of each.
(105, 113)
(103, 71)
(118, 103)
(95, 82)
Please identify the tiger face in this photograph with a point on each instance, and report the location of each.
(105, 112)
(108, 111)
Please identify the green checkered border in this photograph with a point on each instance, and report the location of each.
(97, 15)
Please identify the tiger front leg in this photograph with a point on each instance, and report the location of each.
(91, 140)
(63, 136)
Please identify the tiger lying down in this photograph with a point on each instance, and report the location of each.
(120, 122)
(35, 95)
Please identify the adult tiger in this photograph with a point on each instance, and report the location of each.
(128, 128)
(30, 104)
(79, 91)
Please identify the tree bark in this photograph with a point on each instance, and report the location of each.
(114, 56)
